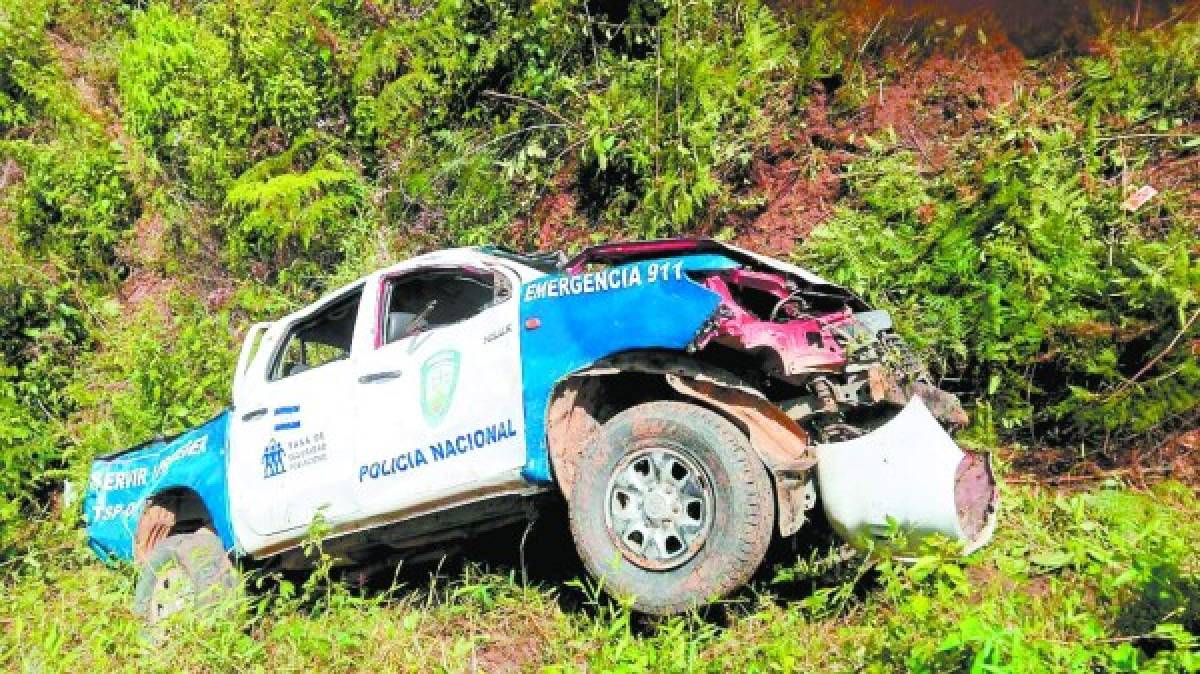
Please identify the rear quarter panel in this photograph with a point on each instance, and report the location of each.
(119, 487)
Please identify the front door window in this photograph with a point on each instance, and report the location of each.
(439, 399)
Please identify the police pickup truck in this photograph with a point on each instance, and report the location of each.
(689, 399)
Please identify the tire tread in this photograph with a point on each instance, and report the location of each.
(752, 533)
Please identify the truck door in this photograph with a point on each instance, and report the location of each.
(439, 397)
(291, 438)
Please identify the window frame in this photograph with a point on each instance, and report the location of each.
(304, 320)
(388, 281)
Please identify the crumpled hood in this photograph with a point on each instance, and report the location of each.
(633, 251)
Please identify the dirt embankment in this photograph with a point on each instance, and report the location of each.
(937, 102)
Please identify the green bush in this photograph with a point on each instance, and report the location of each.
(1151, 78)
(183, 98)
(24, 60)
(35, 101)
(476, 107)
(667, 128)
(304, 199)
(72, 198)
(163, 373)
(1025, 284)
(460, 103)
(75, 202)
(26, 452)
(42, 333)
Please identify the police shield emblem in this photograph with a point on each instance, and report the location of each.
(439, 377)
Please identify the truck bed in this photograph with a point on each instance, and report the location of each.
(119, 483)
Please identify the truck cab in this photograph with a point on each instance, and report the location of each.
(397, 394)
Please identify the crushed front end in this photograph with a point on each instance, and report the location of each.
(888, 472)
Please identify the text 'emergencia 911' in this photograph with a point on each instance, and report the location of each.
(691, 401)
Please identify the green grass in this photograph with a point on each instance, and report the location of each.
(1103, 580)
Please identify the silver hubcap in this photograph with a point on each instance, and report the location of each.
(659, 508)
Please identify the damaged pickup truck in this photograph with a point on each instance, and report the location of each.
(690, 400)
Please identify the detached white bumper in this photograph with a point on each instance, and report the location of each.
(911, 471)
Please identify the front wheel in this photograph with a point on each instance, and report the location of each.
(671, 507)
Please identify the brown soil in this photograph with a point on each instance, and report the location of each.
(97, 106)
(796, 179)
(795, 203)
(933, 104)
(143, 252)
(1035, 27)
(1176, 458)
(555, 221)
(100, 102)
(514, 640)
(267, 142)
(1176, 179)
(551, 216)
(943, 98)
(146, 253)
(980, 576)
(145, 246)
(10, 174)
(8, 238)
(146, 287)
(1181, 452)
(928, 94)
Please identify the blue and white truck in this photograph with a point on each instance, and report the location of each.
(689, 399)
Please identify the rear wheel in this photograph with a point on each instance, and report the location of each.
(671, 506)
(183, 570)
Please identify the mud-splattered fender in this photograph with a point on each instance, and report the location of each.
(778, 440)
(119, 487)
(569, 321)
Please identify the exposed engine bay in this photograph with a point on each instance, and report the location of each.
(842, 373)
(839, 361)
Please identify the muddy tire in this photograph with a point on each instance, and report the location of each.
(184, 570)
(671, 506)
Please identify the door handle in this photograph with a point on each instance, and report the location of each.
(250, 416)
(380, 376)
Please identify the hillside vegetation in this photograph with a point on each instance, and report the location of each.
(171, 172)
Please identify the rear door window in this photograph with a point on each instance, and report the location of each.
(320, 339)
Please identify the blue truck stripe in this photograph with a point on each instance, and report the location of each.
(661, 311)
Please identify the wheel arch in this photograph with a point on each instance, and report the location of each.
(174, 510)
(581, 402)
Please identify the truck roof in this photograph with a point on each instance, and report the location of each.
(556, 261)
(620, 252)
